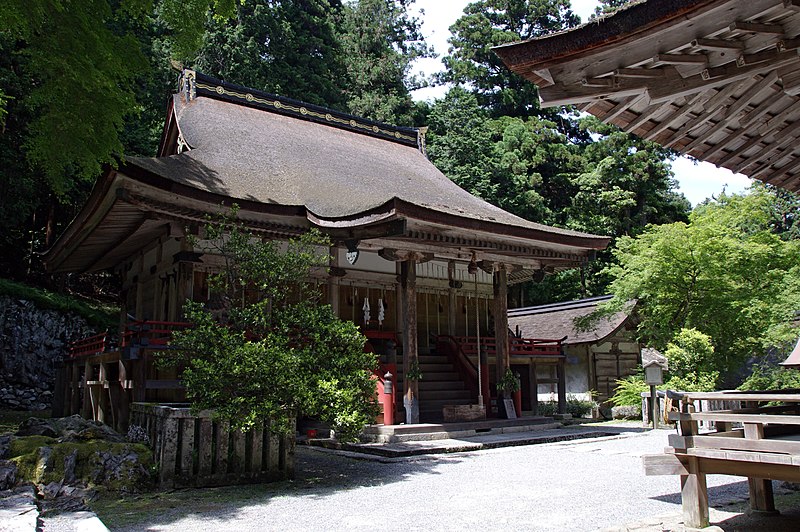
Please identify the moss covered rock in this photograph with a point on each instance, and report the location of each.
(78, 452)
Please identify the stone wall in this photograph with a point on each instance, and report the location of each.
(32, 340)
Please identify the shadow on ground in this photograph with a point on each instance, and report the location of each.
(318, 475)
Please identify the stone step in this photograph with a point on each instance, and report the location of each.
(443, 395)
(434, 368)
(433, 359)
(437, 431)
(434, 376)
(433, 386)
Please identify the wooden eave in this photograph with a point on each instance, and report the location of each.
(131, 207)
(718, 80)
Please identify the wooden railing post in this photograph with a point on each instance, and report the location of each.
(761, 495)
(694, 492)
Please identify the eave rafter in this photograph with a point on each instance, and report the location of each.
(717, 79)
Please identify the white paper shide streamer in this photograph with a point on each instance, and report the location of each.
(365, 308)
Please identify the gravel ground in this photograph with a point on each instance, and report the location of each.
(569, 486)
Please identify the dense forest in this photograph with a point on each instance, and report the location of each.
(84, 84)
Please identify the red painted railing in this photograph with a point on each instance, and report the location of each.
(147, 333)
(521, 347)
(91, 345)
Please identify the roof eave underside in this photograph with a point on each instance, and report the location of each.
(132, 207)
(718, 80)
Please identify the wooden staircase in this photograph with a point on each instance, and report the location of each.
(440, 385)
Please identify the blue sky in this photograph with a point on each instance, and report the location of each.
(696, 181)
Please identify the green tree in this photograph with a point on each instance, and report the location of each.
(628, 184)
(380, 41)
(609, 6)
(489, 23)
(265, 348)
(739, 287)
(286, 47)
(75, 82)
(691, 361)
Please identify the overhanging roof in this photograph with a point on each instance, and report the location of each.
(557, 320)
(291, 166)
(715, 79)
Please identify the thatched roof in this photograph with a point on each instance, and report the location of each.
(557, 320)
(715, 79)
(291, 166)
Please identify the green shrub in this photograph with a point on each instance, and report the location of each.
(629, 391)
(575, 406)
(771, 378)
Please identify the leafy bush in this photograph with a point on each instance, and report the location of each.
(283, 355)
(691, 362)
(575, 406)
(771, 378)
(629, 391)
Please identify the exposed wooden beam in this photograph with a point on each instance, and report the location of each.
(573, 94)
(675, 115)
(722, 95)
(643, 117)
(717, 44)
(623, 106)
(639, 73)
(791, 166)
(674, 88)
(702, 119)
(541, 78)
(761, 109)
(751, 94)
(792, 4)
(758, 57)
(775, 159)
(778, 119)
(752, 141)
(791, 83)
(752, 27)
(680, 59)
(782, 138)
(721, 145)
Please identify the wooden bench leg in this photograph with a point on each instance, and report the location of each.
(694, 497)
(761, 496)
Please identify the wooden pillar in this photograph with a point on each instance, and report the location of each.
(694, 496)
(562, 387)
(333, 282)
(502, 357)
(761, 496)
(451, 298)
(534, 389)
(408, 291)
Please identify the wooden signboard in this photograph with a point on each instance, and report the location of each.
(508, 404)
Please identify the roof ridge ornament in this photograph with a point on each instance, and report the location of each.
(421, 131)
(188, 84)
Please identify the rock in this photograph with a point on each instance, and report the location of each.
(51, 490)
(5, 445)
(8, 474)
(69, 467)
(37, 427)
(626, 412)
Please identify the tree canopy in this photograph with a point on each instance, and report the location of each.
(727, 273)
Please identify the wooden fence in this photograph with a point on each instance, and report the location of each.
(196, 450)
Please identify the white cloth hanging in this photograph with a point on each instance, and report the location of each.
(365, 308)
(381, 312)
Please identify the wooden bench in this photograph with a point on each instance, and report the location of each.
(759, 440)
